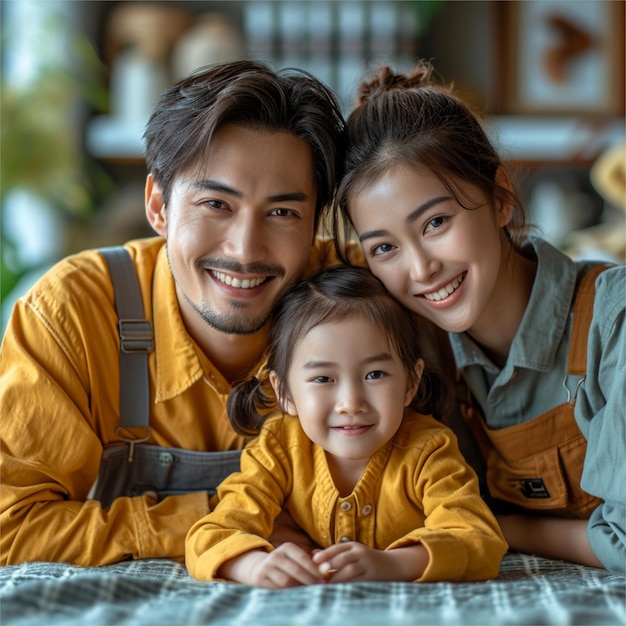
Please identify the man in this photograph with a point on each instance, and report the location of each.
(241, 161)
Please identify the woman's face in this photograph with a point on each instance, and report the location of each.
(437, 258)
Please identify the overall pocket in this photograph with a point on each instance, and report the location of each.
(538, 465)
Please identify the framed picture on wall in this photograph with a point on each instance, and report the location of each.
(560, 57)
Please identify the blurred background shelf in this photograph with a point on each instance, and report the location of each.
(523, 140)
(79, 79)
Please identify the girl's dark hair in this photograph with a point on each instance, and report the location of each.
(332, 295)
(412, 120)
(250, 94)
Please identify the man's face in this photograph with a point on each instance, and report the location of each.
(238, 228)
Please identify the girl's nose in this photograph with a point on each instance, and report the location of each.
(350, 400)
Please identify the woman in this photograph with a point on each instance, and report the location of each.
(442, 227)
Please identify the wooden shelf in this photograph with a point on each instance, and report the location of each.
(525, 140)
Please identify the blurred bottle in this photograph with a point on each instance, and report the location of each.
(139, 40)
(214, 38)
(136, 83)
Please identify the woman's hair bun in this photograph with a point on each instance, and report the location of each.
(384, 79)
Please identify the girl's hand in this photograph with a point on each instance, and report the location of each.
(287, 531)
(286, 566)
(353, 561)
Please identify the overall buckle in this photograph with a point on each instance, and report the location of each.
(132, 442)
(136, 336)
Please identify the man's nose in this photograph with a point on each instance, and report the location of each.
(245, 239)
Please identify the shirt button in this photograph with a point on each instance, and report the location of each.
(344, 539)
(165, 458)
(345, 506)
(366, 510)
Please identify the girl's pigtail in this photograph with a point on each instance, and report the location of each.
(249, 403)
(435, 394)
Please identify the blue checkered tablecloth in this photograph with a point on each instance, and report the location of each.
(528, 590)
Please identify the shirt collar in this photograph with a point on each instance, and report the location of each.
(545, 317)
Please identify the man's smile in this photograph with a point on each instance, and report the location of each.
(239, 283)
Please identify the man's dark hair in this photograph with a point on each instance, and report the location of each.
(249, 94)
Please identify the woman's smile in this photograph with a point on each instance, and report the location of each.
(444, 292)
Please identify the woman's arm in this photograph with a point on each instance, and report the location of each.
(600, 410)
(549, 537)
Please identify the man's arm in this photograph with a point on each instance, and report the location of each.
(52, 414)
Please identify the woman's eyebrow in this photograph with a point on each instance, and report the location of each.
(411, 217)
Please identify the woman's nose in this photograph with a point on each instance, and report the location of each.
(422, 264)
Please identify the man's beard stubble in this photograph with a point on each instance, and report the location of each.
(230, 324)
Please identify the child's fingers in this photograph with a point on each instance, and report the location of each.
(328, 553)
(326, 566)
(326, 569)
(291, 565)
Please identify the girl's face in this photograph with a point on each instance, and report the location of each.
(348, 388)
(437, 258)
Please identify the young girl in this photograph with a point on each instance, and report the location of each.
(442, 227)
(382, 489)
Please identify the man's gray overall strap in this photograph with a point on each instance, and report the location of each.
(136, 339)
(139, 468)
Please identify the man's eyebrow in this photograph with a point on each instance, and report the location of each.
(215, 185)
(411, 217)
(296, 196)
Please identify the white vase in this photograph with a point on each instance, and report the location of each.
(214, 38)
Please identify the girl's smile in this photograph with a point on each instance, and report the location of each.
(352, 430)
